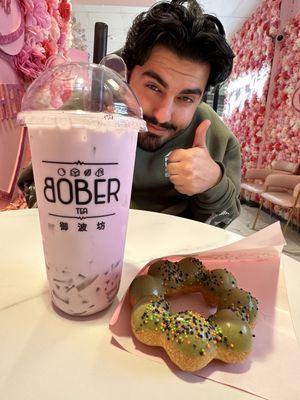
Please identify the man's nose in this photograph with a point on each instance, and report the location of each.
(163, 110)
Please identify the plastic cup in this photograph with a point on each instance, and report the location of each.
(83, 166)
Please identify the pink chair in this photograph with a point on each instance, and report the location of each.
(284, 191)
(254, 180)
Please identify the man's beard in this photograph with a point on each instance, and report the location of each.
(151, 142)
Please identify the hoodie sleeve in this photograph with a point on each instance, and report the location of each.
(26, 184)
(220, 204)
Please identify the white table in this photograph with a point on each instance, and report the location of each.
(44, 355)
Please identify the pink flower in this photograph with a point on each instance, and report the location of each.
(38, 15)
(54, 31)
(50, 47)
(65, 10)
(31, 59)
(279, 137)
(46, 34)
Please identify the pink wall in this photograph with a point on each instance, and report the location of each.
(281, 133)
(262, 105)
(262, 87)
(247, 93)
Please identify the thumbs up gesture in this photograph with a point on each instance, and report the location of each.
(193, 171)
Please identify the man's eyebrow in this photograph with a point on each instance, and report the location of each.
(196, 91)
(155, 76)
(158, 78)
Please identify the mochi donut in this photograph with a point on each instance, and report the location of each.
(190, 340)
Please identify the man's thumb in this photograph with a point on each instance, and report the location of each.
(199, 139)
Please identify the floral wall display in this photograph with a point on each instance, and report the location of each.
(283, 126)
(282, 138)
(264, 112)
(47, 34)
(246, 94)
(43, 33)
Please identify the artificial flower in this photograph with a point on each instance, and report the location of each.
(266, 131)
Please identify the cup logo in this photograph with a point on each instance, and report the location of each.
(81, 185)
(81, 191)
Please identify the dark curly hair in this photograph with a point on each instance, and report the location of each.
(182, 27)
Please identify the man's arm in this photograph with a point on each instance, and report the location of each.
(209, 171)
(220, 204)
(26, 184)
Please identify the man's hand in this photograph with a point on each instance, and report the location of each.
(193, 170)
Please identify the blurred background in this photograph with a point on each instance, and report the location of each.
(119, 14)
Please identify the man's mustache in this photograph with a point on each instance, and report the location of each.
(165, 125)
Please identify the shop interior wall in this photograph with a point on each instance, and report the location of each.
(262, 98)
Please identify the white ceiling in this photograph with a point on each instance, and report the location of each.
(232, 13)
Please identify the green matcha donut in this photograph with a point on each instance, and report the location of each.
(190, 340)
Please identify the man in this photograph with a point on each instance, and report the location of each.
(188, 163)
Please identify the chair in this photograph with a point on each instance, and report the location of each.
(255, 177)
(284, 191)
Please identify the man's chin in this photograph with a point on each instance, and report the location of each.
(150, 142)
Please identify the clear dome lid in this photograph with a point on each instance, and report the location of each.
(81, 88)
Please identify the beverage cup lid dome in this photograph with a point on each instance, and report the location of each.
(79, 88)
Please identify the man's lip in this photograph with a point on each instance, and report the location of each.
(156, 129)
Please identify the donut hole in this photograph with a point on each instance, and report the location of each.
(191, 301)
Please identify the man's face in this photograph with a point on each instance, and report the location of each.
(169, 90)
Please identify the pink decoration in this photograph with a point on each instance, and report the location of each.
(12, 28)
(283, 129)
(13, 140)
(47, 29)
(278, 137)
(254, 49)
(32, 33)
